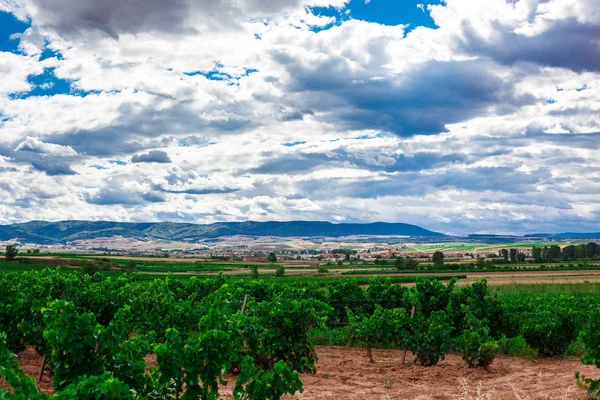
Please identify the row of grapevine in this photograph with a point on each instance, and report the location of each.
(267, 346)
(89, 326)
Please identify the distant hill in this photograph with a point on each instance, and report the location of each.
(566, 235)
(43, 232)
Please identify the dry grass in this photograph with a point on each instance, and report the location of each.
(478, 393)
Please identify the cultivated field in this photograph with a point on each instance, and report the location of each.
(478, 330)
(346, 373)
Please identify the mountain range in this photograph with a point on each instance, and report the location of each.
(43, 232)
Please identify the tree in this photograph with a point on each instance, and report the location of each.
(590, 250)
(513, 255)
(536, 253)
(580, 251)
(272, 258)
(399, 264)
(569, 252)
(411, 263)
(554, 252)
(480, 263)
(438, 259)
(11, 252)
(504, 254)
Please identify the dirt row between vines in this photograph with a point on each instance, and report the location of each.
(346, 373)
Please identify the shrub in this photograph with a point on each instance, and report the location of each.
(433, 295)
(475, 345)
(322, 269)
(591, 341)
(280, 271)
(386, 327)
(549, 333)
(430, 338)
(90, 267)
(517, 347)
(254, 271)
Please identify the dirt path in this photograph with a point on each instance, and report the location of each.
(345, 373)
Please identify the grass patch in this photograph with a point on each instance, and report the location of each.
(570, 289)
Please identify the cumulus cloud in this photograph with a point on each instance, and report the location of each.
(180, 181)
(154, 156)
(114, 17)
(35, 145)
(263, 110)
(53, 168)
(110, 196)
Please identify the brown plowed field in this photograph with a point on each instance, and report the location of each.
(346, 373)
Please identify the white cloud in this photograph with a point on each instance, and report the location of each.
(267, 112)
(35, 145)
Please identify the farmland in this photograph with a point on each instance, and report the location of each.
(168, 318)
(178, 325)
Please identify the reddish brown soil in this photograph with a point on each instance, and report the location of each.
(346, 373)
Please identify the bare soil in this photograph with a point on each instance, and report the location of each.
(346, 373)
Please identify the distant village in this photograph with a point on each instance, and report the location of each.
(253, 255)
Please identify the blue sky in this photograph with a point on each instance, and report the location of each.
(10, 25)
(460, 116)
(387, 12)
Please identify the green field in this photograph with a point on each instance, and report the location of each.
(457, 247)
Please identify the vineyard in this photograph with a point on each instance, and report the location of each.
(96, 332)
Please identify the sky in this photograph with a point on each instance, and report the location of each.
(460, 116)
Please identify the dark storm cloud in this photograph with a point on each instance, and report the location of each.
(566, 44)
(52, 167)
(154, 156)
(421, 101)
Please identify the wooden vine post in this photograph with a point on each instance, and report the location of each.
(412, 315)
(244, 304)
(42, 369)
